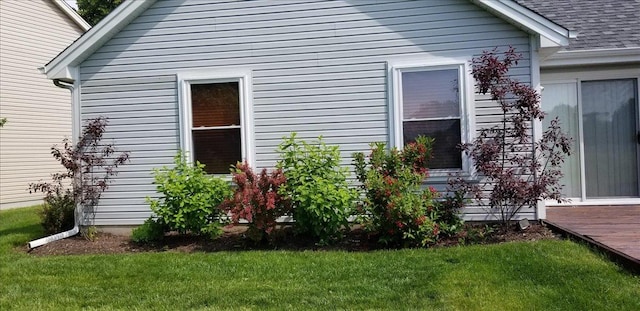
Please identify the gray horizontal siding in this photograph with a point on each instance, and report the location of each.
(318, 67)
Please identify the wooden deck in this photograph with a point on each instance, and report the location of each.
(615, 229)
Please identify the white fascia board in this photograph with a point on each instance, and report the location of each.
(72, 14)
(593, 57)
(61, 67)
(529, 20)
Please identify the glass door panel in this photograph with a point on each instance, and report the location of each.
(561, 100)
(609, 113)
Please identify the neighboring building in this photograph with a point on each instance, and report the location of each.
(38, 113)
(226, 81)
(592, 85)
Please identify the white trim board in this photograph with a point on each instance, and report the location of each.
(534, 23)
(58, 68)
(75, 17)
(73, 55)
(592, 57)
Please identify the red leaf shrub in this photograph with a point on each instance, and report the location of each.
(395, 205)
(256, 200)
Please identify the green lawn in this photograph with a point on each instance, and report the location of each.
(548, 275)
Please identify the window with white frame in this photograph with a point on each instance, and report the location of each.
(431, 101)
(215, 119)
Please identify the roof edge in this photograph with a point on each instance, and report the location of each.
(72, 14)
(527, 19)
(593, 57)
(90, 41)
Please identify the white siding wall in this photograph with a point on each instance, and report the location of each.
(39, 114)
(319, 68)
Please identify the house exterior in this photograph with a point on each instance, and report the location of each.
(225, 81)
(592, 85)
(38, 113)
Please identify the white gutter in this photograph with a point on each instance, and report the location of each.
(69, 233)
(593, 57)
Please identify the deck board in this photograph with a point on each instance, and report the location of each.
(614, 228)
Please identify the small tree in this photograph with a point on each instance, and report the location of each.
(517, 171)
(89, 167)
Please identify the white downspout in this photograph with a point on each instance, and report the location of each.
(75, 133)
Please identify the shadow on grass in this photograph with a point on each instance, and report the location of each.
(28, 232)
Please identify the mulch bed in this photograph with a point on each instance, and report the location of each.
(233, 239)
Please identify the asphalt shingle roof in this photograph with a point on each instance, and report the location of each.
(599, 24)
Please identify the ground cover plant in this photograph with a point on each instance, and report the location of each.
(515, 174)
(545, 275)
(89, 166)
(396, 207)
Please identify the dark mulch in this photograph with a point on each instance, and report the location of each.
(233, 239)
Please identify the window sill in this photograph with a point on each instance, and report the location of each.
(443, 176)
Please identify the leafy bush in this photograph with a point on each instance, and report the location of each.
(57, 213)
(517, 175)
(190, 198)
(89, 165)
(395, 206)
(256, 200)
(149, 232)
(317, 188)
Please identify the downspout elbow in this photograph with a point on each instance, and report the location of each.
(63, 84)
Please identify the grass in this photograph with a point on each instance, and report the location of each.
(545, 275)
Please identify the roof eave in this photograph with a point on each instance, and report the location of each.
(551, 34)
(593, 57)
(61, 67)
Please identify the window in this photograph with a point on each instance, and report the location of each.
(215, 120)
(430, 101)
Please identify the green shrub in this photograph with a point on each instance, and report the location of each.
(316, 187)
(395, 205)
(190, 198)
(149, 232)
(57, 213)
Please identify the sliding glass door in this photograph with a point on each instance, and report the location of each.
(602, 117)
(610, 136)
